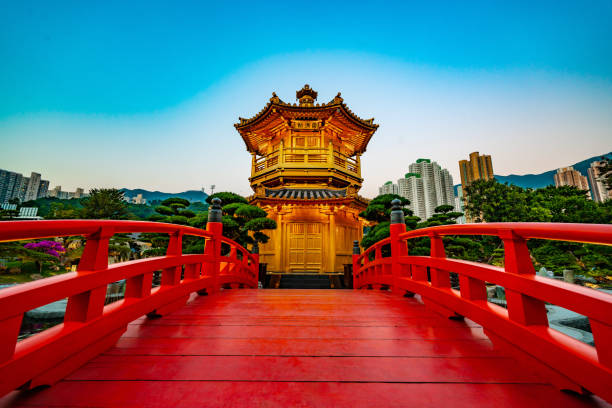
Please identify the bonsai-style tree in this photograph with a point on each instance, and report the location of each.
(242, 222)
(173, 210)
(379, 212)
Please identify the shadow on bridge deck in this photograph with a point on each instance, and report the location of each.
(302, 348)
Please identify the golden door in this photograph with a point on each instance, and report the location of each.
(305, 247)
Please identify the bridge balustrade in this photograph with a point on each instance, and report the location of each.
(522, 328)
(90, 326)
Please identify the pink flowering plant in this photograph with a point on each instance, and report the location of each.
(43, 251)
(48, 247)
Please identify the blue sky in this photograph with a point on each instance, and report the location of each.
(144, 94)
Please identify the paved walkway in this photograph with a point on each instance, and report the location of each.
(302, 348)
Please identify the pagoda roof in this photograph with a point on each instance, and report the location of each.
(305, 194)
(336, 109)
(309, 196)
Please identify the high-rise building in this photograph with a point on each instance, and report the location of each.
(478, 167)
(43, 189)
(411, 187)
(460, 205)
(14, 185)
(138, 199)
(437, 186)
(31, 190)
(599, 191)
(57, 192)
(10, 185)
(567, 176)
(388, 188)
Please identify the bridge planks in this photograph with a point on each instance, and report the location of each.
(302, 348)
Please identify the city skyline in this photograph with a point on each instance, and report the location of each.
(151, 105)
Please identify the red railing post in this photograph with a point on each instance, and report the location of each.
(213, 245)
(356, 264)
(172, 276)
(602, 336)
(439, 278)
(398, 246)
(232, 264)
(88, 305)
(9, 329)
(255, 264)
(521, 308)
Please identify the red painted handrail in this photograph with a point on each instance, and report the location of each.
(89, 326)
(521, 329)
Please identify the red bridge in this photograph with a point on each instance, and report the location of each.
(412, 340)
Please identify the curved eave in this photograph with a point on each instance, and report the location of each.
(366, 124)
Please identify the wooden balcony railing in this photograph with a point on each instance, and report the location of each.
(522, 329)
(89, 325)
(306, 158)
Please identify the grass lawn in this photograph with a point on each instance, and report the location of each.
(27, 269)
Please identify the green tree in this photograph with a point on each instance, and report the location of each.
(378, 212)
(242, 222)
(443, 215)
(6, 215)
(63, 211)
(105, 203)
(490, 201)
(227, 198)
(27, 253)
(173, 210)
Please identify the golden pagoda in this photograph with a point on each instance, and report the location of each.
(306, 173)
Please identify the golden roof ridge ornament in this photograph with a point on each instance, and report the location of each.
(276, 99)
(306, 96)
(337, 99)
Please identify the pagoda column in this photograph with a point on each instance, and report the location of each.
(278, 244)
(331, 259)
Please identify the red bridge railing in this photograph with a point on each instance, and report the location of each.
(521, 329)
(89, 325)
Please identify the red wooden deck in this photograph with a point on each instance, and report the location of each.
(302, 348)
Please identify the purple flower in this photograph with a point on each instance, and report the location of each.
(48, 247)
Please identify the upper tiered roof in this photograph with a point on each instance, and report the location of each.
(258, 128)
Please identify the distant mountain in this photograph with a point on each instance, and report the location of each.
(191, 195)
(547, 178)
